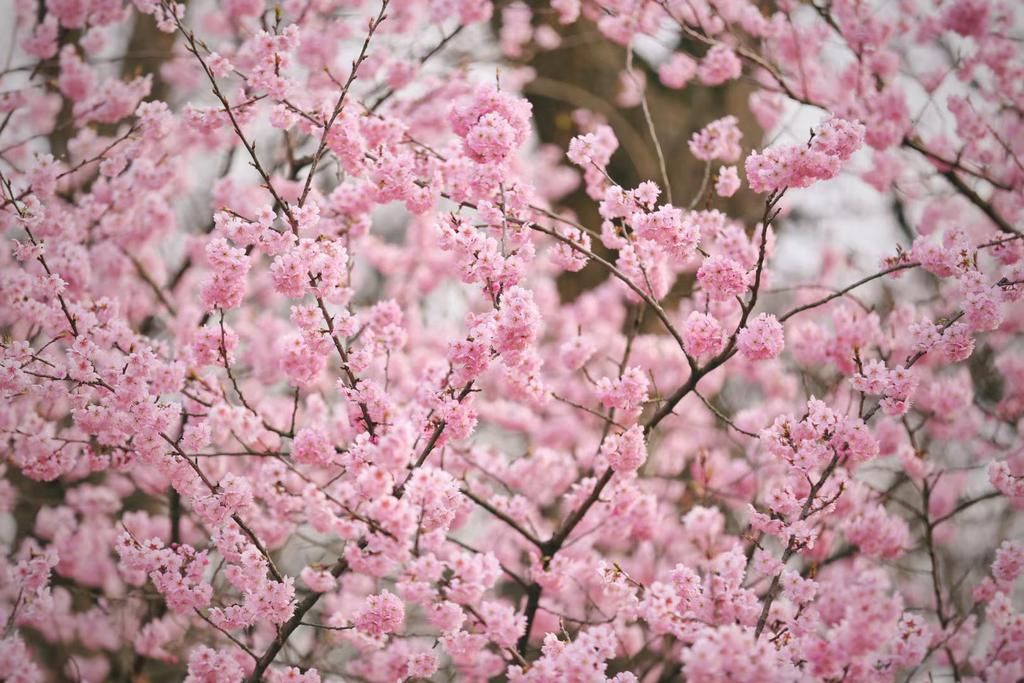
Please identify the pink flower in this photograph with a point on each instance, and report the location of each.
(229, 266)
(1009, 562)
(722, 277)
(967, 17)
(702, 335)
(878, 534)
(206, 665)
(302, 358)
(503, 625)
(518, 322)
(421, 665)
(319, 580)
(900, 386)
(678, 70)
(568, 10)
(983, 311)
(728, 181)
(628, 392)
(492, 125)
(731, 653)
(592, 148)
(719, 65)
(42, 43)
(718, 140)
(834, 143)
(382, 613)
(626, 452)
(668, 227)
(492, 139)
(312, 446)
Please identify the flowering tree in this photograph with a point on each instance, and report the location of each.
(289, 392)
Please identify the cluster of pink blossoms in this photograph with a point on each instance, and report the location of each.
(319, 362)
(797, 165)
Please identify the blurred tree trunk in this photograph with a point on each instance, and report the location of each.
(148, 49)
(584, 72)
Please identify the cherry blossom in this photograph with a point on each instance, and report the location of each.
(342, 341)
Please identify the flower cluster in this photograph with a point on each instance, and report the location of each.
(492, 125)
(834, 142)
(457, 341)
